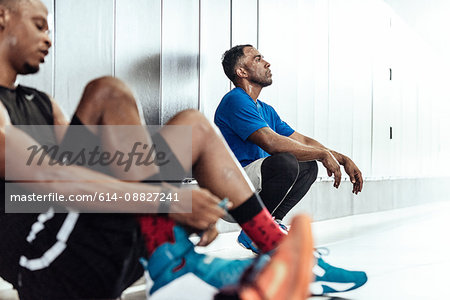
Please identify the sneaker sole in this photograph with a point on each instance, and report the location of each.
(288, 274)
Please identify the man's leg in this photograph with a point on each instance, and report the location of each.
(217, 170)
(279, 173)
(213, 165)
(284, 182)
(307, 174)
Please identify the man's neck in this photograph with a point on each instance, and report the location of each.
(253, 90)
(8, 75)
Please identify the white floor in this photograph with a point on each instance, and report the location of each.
(405, 253)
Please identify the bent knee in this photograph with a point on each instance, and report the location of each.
(192, 117)
(284, 162)
(108, 88)
(313, 169)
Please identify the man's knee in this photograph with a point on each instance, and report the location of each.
(284, 162)
(192, 117)
(312, 169)
(107, 89)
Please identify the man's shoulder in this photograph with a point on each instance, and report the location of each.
(237, 97)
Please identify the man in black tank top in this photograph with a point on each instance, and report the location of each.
(70, 255)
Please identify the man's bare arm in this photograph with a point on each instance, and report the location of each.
(350, 167)
(58, 119)
(272, 143)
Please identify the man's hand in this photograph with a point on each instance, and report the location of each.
(208, 236)
(355, 175)
(205, 211)
(333, 167)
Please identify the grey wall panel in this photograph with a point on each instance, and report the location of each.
(214, 40)
(244, 22)
(84, 47)
(44, 80)
(138, 52)
(180, 56)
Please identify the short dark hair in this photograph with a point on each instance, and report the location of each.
(11, 4)
(230, 58)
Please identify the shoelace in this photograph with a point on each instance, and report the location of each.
(282, 226)
(321, 251)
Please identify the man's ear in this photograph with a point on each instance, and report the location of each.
(3, 17)
(241, 72)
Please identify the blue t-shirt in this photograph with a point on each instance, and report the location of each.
(238, 116)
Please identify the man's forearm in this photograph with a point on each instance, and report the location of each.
(313, 143)
(301, 151)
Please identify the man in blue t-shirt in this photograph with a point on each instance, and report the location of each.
(280, 162)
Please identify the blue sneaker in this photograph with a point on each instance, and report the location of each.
(171, 261)
(331, 279)
(246, 242)
(282, 226)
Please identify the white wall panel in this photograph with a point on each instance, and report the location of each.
(138, 52)
(350, 84)
(44, 80)
(306, 66)
(244, 22)
(342, 69)
(320, 47)
(280, 50)
(180, 56)
(382, 158)
(320, 28)
(215, 36)
(362, 86)
(84, 47)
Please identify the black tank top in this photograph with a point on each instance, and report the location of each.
(25, 106)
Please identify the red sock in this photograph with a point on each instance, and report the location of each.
(258, 224)
(156, 230)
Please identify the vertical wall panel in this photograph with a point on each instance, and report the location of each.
(382, 158)
(362, 85)
(341, 75)
(138, 52)
(320, 47)
(281, 51)
(350, 83)
(244, 22)
(180, 56)
(84, 47)
(214, 41)
(306, 67)
(43, 80)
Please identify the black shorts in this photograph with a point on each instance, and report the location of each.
(101, 257)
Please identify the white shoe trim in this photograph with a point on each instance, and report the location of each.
(318, 271)
(337, 286)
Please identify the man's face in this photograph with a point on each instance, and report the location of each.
(257, 68)
(27, 36)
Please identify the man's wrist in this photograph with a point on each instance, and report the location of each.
(342, 159)
(323, 154)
